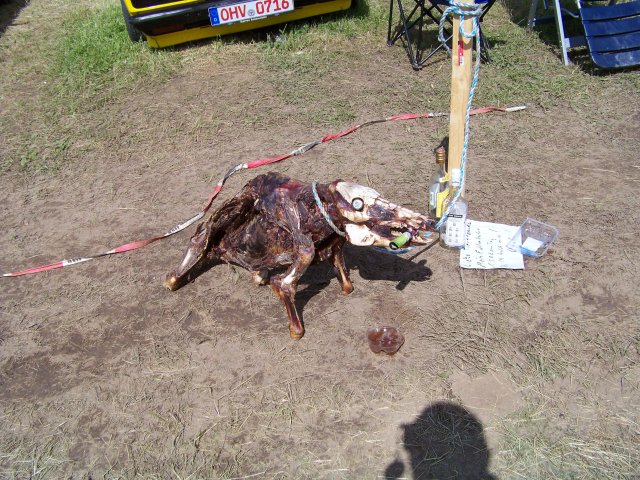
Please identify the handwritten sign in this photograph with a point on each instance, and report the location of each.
(486, 247)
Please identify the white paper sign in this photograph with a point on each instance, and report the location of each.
(486, 247)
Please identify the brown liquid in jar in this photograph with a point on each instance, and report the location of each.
(385, 339)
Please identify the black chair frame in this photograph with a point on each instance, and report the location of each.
(418, 17)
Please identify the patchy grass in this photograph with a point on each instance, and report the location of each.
(302, 58)
(90, 62)
(531, 450)
(36, 156)
(94, 62)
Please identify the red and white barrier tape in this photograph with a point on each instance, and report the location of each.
(127, 247)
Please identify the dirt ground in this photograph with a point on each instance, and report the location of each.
(504, 374)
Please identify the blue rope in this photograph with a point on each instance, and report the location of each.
(323, 211)
(473, 10)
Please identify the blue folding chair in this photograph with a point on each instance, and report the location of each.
(410, 28)
(611, 32)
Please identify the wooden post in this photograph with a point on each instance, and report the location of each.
(462, 65)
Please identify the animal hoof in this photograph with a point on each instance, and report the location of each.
(296, 335)
(261, 278)
(171, 282)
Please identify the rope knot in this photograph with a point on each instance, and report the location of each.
(462, 9)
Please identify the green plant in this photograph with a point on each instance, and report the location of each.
(93, 60)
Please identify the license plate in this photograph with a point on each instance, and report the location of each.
(240, 12)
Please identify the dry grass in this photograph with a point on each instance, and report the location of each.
(104, 374)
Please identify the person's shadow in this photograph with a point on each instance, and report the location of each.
(445, 442)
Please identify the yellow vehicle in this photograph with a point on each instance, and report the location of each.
(170, 22)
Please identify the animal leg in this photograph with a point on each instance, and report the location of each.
(285, 286)
(199, 253)
(194, 258)
(260, 277)
(337, 258)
